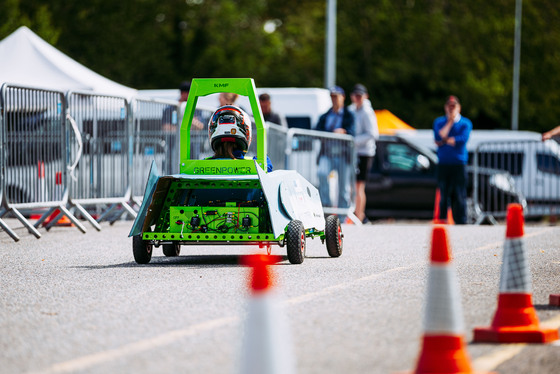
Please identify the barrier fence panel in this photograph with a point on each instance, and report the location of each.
(493, 190)
(276, 144)
(328, 161)
(101, 178)
(534, 168)
(155, 138)
(94, 151)
(156, 127)
(34, 162)
(3, 225)
(200, 143)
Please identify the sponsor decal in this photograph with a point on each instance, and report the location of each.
(222, 170)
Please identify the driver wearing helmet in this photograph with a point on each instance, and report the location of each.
(229, 132)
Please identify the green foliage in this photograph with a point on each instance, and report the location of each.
(14, 14)
(410, 54)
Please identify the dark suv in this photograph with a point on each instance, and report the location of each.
(402, 183)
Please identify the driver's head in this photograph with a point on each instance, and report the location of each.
(230, 123)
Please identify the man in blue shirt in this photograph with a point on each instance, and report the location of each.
(334, 155)
(451, 133)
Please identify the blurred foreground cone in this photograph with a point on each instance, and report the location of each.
(267, 346)
(515, 320)
(554, 299)
(443, 346)
(438, 220)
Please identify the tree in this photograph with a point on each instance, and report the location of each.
(14, 14)
(410, 54)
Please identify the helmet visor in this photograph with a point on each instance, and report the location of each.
(227, 119)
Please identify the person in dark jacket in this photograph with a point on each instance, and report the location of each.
(270, 115)
(334, 154)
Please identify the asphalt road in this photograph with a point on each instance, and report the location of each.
(78, 303)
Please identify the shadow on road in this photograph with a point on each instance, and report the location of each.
(545, 307)
(211, 261)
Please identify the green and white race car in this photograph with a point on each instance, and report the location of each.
(230, 201)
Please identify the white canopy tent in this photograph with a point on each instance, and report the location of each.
(28, 60)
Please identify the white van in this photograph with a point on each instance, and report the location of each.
(301, 106)
(533, 164)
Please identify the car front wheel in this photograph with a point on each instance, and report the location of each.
(295, 238)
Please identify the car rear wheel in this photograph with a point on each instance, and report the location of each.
(333, 236)
(171, 250)
(295, 238)
(141, 249)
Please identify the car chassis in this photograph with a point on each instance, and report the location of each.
(230, 202)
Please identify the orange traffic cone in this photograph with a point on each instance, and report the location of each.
(266, 343)
(515, 320)
(58, 194)
(62, 221)
(438, 220)
(443, 346)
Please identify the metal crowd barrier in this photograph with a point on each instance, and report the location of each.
(532, 166)
(493, 190)
(328, 161)
(34, 158)
(200, 145)
(155, 137)
(276, 144)
(155, 132)
(81, 149)
(102, 175)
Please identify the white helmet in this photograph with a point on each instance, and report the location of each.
(230, 124)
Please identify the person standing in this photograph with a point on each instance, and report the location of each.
(268, 114)
(171, 120)
(333, 156)
(451, 134)
(366, 133)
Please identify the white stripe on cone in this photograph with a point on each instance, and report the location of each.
(267, 347)
(442, 310)
(515, 276)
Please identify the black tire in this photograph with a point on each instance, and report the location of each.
(333, 236)
(295, 239)
(171, 250)
(142, 250)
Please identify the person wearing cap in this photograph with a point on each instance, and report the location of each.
(170, 122)
(451, 133)
(169, 119)
(268, 114)
(333, 155)
(366, 133)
